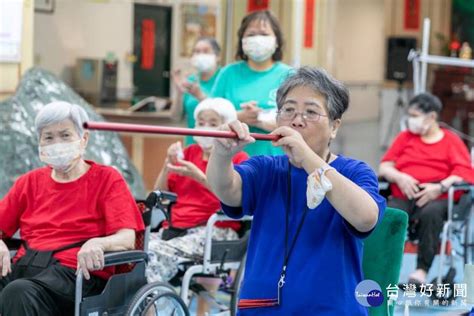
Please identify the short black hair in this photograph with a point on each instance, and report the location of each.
(212, 41)
(266, 16)
(426, 103)
(336, 94)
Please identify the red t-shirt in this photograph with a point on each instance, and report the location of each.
(429, 163)
(195, 203)
(51, 215)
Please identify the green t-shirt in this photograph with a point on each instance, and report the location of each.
(190, 102)
(238, 83)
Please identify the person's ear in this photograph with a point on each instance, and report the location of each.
(85, 139)
(335, 127)
(433, 115)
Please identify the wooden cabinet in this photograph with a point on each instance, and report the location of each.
(448, 85)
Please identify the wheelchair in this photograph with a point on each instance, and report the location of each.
(456, 238)
(220, 258)
(127, 291)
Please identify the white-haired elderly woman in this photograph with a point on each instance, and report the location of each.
(69, 213)
(184, 174)
(311, 208)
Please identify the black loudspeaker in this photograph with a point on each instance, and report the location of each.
(398, 66)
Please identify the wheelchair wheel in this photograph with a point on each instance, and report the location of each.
(166, 304)
(234, 300)
(145, 295)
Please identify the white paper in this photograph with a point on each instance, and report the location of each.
(11, 22)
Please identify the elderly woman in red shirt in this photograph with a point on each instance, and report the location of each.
(421, 164)
(69, 213)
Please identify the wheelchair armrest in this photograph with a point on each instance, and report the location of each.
(123, 257)
(217, 217)
(162, 200)
(170, 196)
(158, 196)
(462, 186)
(111, 259)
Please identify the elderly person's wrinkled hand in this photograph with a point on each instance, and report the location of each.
(5, 264)
(230, 146)
(249, 114)
(293, 145)
(90, 257)
(407, 184)
(429, 192)
(187, 169)
(175, 152)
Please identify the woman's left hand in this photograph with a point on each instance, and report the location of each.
(293, 145)
(188, 169)
(195, 90)
(90, 257)
(429, 192)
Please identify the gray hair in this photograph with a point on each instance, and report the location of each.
(336, 94)
(58, 111)
(211, 41)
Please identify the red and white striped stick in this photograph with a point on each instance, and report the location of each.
(152, 129)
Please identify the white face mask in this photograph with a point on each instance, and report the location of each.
(206, 143)
(204, 62)
(259, 48)
(416, 125)
(61, 155)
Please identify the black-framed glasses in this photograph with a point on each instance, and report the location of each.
(289, 113)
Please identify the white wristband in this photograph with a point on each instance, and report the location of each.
(317, 186)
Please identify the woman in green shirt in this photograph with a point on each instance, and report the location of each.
(251, 83)
(189, 91)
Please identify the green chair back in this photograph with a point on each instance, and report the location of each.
(383, 254)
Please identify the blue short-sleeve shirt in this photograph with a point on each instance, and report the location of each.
(326, 263)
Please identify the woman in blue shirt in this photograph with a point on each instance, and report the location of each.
(196, 87)
(311, 208)
(251, 83)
